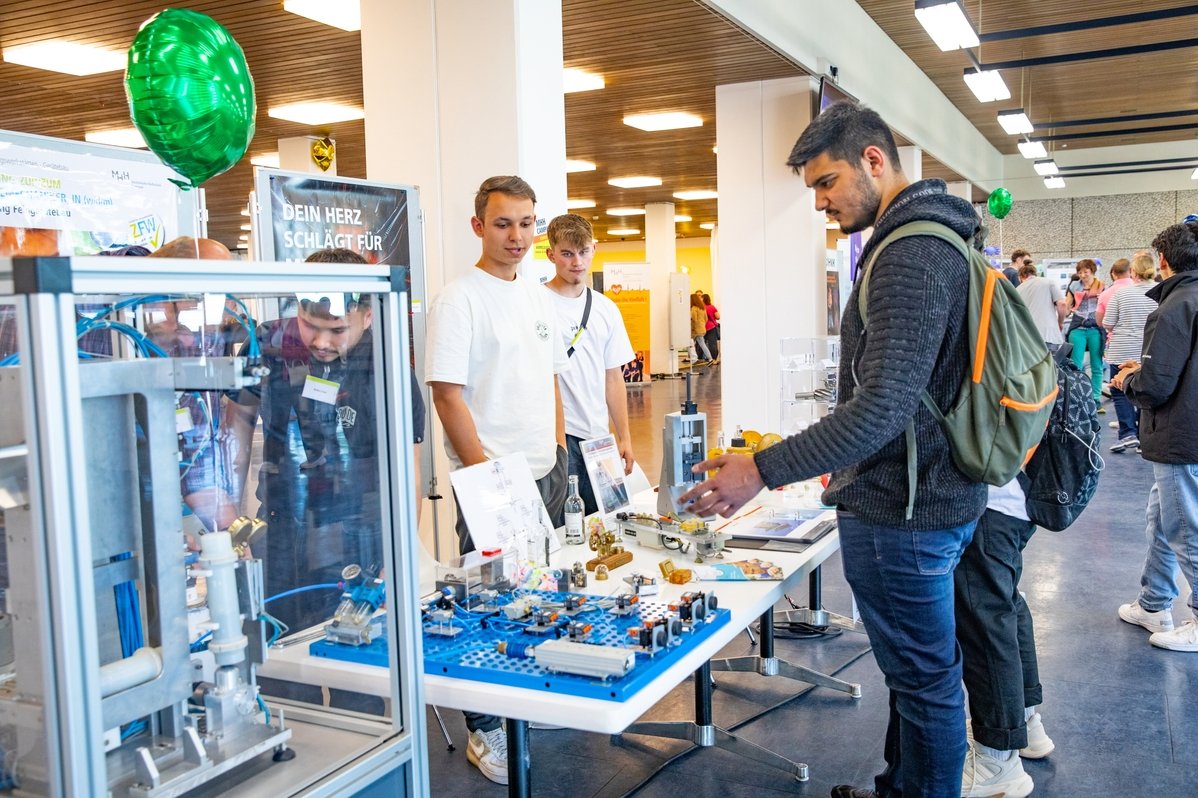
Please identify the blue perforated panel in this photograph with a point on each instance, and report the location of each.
(472, 654)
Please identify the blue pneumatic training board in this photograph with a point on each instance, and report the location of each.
(471, 653)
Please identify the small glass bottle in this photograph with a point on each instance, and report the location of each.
(574, 513)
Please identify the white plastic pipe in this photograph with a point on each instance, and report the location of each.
(217, 557)
(140, 667)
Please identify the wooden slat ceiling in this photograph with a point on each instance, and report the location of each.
(659, 55)
(655, 55)
(1146, 82)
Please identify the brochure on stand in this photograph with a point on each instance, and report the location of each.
(605, 470)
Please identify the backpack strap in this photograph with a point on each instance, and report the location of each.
(923, 227)
(586, 316)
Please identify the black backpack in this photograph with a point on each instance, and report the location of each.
(1062, 474)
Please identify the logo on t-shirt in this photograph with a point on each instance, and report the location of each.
(542, 331)
(347, 416)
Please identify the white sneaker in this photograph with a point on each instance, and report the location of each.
(1039, 744)
(1183, 638)
(986, 776)
(487, 751)
(1113, 424)
(1159, 621)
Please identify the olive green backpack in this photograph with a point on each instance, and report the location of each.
(1003, 406)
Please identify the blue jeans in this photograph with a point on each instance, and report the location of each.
(903, 584)
(576, 466)
(1172, 532)
(1127, 413)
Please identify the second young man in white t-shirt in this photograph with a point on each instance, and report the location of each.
(593, 332)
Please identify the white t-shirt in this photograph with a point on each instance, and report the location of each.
(603, 345)
(499, 340)
(1008, 499)
(1041, 296)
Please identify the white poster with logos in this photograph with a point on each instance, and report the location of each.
(70, 198)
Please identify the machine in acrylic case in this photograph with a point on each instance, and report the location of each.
(201, 463)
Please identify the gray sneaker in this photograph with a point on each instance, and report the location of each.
(1159, 621)
(1039, 744)
(986, 776)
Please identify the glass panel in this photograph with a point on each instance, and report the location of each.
(21, 701)
(232, 471)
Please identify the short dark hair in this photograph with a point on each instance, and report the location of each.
(1088, 264)
(1179, 244)
(1027, 270)
(843, 131)
(353, 301)
(1120, 267)
(501, 184)
(335, 255)
(1019, 255)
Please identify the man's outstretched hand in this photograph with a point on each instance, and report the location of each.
(736, 481)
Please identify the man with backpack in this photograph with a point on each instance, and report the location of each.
(1164, 385)
(906, 510)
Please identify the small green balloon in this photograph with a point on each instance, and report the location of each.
(999, 203)
(190, 93)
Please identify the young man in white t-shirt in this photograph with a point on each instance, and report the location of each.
(492, 358)
(597, 344)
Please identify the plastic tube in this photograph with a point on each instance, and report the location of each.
(217, 557)
(141, 666)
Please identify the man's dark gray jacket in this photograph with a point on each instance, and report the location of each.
(917, 339)
(1166, 387)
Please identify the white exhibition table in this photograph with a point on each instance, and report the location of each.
(746, 601)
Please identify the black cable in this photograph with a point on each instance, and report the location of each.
(738, 725)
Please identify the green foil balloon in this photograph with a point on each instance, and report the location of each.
(190, 93)
(999, 203)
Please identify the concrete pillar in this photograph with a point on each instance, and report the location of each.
(661, 252)
(456, 91)
(772, 281)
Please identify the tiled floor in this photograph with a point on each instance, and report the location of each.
(1121, 712)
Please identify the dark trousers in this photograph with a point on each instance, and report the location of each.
(1127, 413)
(552, 488)
(577, 468)
(994, 630)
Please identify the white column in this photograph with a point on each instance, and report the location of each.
(962, 189)
(911, 159)
(772, 281)
(661, 252)
(457, 91)
(295, 155)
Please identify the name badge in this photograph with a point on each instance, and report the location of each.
(183, 420)
(321, 390)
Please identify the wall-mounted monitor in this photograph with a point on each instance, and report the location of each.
(830, 93)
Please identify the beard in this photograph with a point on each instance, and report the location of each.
(861, 209)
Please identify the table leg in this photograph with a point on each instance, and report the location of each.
(519, 759)
(705, 734)
(814, 614)
(767, 664)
